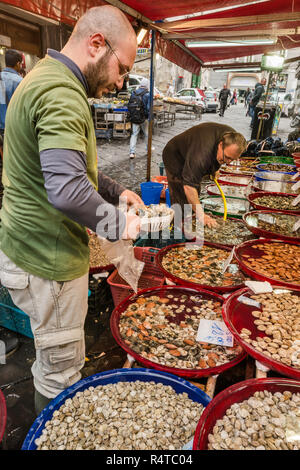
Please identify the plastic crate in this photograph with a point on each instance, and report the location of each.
(151, 276)
(11, 317)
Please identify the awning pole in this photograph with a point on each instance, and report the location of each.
(150, 118)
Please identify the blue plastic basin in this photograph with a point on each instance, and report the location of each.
(108, 377)
(272, 176)
(262, 167)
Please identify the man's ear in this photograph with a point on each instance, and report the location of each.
(95, 42)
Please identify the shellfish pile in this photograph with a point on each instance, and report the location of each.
(203, 265)
(163, 330)
(122, 416)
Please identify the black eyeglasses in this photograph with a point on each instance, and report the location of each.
(123, 69)
(228, 159)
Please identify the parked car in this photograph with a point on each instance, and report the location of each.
(211, 101)
(134, 82)
(286, 99)
(192, 95)
(156, 91)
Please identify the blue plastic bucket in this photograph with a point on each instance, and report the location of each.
(262, 167)
(108, 377)
(151, 192)
(168, 200)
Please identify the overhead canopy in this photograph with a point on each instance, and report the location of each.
(226, 20)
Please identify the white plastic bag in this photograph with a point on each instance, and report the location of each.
(121, 254)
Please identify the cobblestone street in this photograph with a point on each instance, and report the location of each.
(114, 156)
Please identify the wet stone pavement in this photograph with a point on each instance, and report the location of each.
(102, 352)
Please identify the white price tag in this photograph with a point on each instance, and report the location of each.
(259, 287)
(295, 176)
(214, 332)
(296, 200)
(228, 260)
(296, 186)
(247, 301)
(296, 225)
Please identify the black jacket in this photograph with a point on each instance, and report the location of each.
(224, 94)
(258, 92)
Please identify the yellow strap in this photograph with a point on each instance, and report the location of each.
(223, 197)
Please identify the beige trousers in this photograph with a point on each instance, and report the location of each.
(57, 312)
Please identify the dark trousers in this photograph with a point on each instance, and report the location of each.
(223, 105)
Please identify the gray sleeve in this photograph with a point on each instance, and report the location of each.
(70, 191)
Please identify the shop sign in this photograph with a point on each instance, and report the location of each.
(5, 41)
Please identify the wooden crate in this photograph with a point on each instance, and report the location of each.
(122, 126)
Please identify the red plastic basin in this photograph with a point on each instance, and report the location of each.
(247, 248)
(237, 315)
(162, 292)
(253, 196)
(237, 393)
(191, 284)
(235, 180)
(268, 233)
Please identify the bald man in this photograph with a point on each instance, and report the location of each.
(53, 191)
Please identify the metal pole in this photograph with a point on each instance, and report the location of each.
(264, 106)
(150, 118)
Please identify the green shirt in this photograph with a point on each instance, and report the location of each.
(49, 110)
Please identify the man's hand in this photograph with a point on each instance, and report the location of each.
(131, 198)
(210, 222)
(132, 228)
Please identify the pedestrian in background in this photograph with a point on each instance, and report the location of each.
(170, 90)
(138, 107)
(223, 99)
(249, 98)
(247, 93)
(10, 79)
(258, 92)
(234, 97)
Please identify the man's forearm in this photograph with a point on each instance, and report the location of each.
(193, 199)
(70, 191)
(109, 189)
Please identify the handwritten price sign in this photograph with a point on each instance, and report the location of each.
(214, 332)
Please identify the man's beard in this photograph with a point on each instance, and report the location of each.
(97, 76)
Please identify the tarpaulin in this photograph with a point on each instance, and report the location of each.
(176, 55)
(68, 11)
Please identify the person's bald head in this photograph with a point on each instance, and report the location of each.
(103, 45)
(106, 19)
